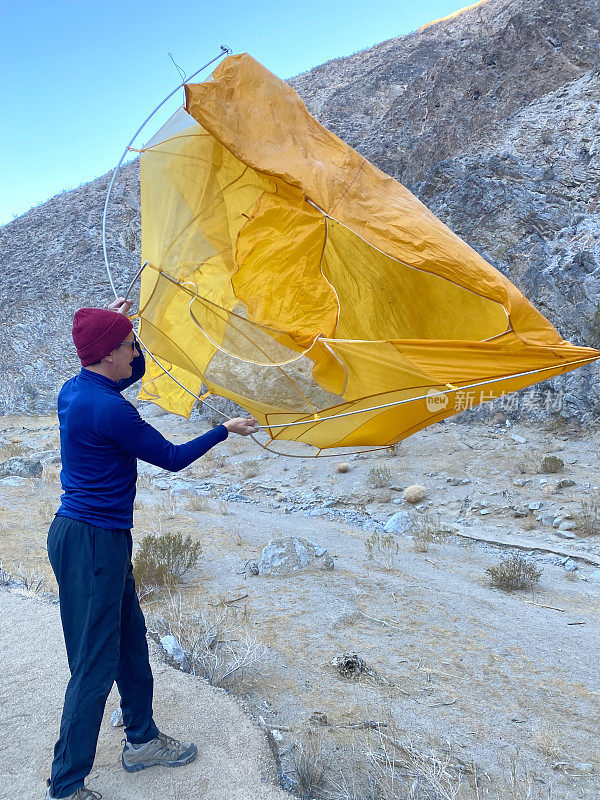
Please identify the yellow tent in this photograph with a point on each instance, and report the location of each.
(290, 275)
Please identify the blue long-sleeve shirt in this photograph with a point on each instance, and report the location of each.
(101, 437)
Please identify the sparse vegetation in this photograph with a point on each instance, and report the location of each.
(30, 581)
(382, 548)
(551, 464)
(197, 503)
(588, 519)
(214, 648)
(163, 559)
(430, 531)
(379, 477)
(311, 762)
(12, 450)
(514, 572)
(248, 469)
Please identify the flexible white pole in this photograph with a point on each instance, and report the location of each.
(224, 51)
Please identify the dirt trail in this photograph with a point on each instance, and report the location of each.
(233, 761)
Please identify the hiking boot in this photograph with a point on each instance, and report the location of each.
(83, 793)
(162, 750)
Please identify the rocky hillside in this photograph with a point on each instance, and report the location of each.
(491, 118)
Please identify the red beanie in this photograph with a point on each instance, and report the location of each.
(97, 332)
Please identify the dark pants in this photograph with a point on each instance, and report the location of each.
(105, 635)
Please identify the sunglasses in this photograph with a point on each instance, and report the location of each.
(129, 344)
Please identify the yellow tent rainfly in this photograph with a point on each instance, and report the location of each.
(289, 274)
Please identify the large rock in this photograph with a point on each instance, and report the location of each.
(22, 467)
(288, 556)
(402, 522)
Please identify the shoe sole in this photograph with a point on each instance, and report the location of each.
(160, 762)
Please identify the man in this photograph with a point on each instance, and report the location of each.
(89, 546)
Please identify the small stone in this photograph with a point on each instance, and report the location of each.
(534, 506)
(584, 766)
(173, 648)
(401, 522)
(277, 735)
(564, 483)
(556, 522)
(571, 565)
(547, 519)
(16, 440)
(318, 718)
(454, 481)
(595, 575)
(567, 525)
(116, 718)
(415, 493)
(344, 466)
(519, 439)
(566, 534)
(13, 480)
(520, 512)
(484, 511)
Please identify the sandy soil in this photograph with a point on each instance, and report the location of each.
(233, 759)
(458, 668)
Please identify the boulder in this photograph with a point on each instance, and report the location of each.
(22, 467)
(401, 522)
(291, 555)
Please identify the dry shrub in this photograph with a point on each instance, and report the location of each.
(514, 572)
(46, 510)
(197, 503)
(588, 519)
(379, 477)
(215, 648)
(551, 464)
(163, 559)
(400, 770)
(382, 548)
(430, 531)
(311, 762)
(51, 473)
(12, 450)
(31, 581)
(248, 469)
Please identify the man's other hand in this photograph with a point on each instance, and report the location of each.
(245, 426)
(120, 305)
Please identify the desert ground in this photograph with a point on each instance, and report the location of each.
(400, 672)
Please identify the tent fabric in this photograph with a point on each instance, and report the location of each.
(292, 276)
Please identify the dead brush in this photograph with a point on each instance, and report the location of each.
(311, 764)
(215, 648)
(430, 531)
(514, 573)
(46, 510)
(379, 477)
(163, 559)
(248, 469)
(12, 450)
(31, 581)
(383, 549)
(197, 503)
(588, 519)
(400, 770)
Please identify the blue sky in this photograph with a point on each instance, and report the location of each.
(77, 78)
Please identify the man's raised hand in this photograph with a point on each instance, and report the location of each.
(120, 305)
